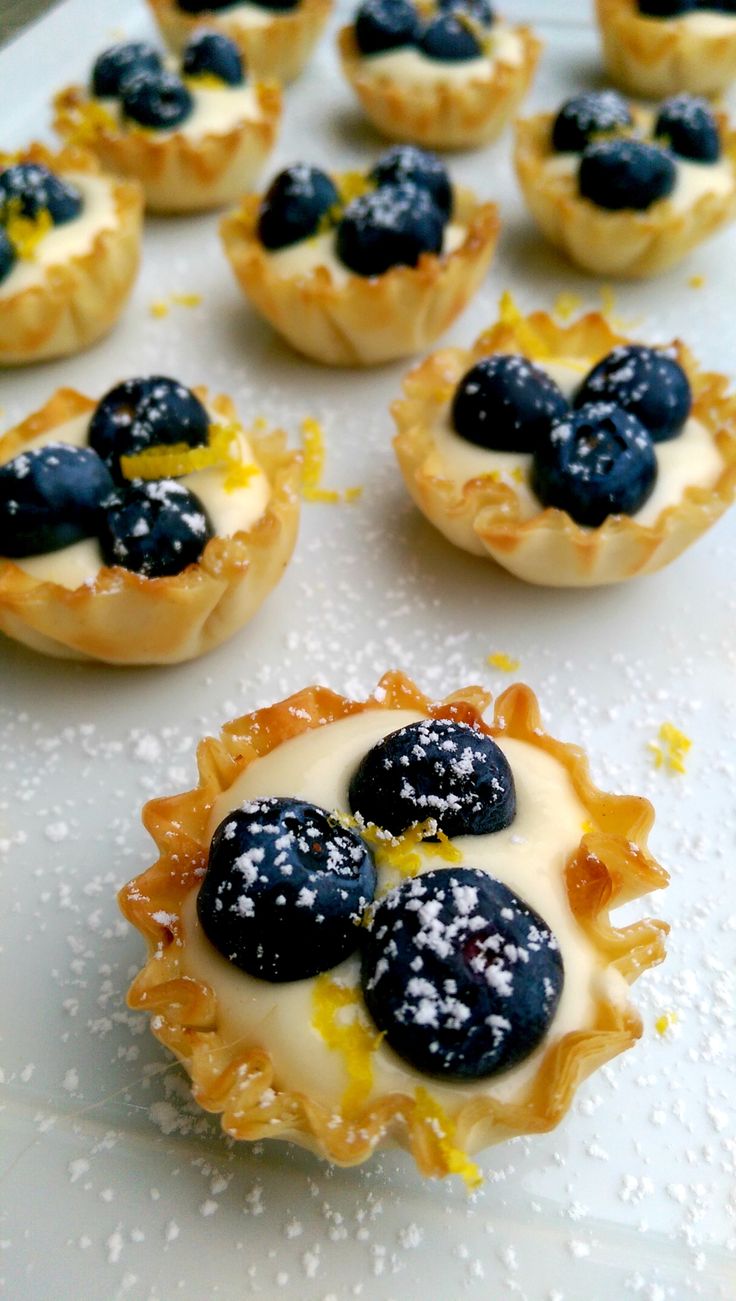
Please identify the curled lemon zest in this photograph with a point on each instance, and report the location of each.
(170, 461)
(26, 233)
(90, 121)
(441, 1131)
(398, 854)
(354, 1039)
(672, 750)
(313, 441)
(663, 1022)
(351, 185)
(531, 340)
(506, 663)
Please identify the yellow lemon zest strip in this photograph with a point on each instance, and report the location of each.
(499, 660)
(663, 1022)
(587, 827)
(26, 233)
(671, 753)
(167, 461)
(313, 440)
(529, 338)
(350, 185)
(566, 305)
(441, 1129)
(90, 120)
(353, 1039)
(186, 300)
(159, 308)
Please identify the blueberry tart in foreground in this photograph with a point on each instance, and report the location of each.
(70, 240)
(145, 528)
(623, 190)
(653, 48)
(356, 269)
(569, 454)
(195, 131)
(442, 978)
(445, 75)
(276, 37)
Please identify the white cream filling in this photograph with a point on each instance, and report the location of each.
(529, 857)
(73, 239)
(229, 510)
(706, 25)
(692, 459)
(300, 260)
(215, 111)
(410, 66)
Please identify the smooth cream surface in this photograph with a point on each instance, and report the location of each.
(72, 239)
(319, 251)
(706, 24)
(529, 857)
(410, 66)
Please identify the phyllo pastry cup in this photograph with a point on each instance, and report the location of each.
(77, 296)
(484, 515)
(278, 46)
(602, 862)
(655, 57)
(122, 617)
(363, 321)
(441, 114)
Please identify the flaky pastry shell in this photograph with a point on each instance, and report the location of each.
(610, 866)
(363, 321)
(178, 173)
(277, 48)
(443, 114)
(550, 549)
(80, 299)
(656, 57)
(124, 618)
(631, 245)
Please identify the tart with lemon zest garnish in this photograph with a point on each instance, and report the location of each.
(482, 501)
(653, 57)
(304, 1057)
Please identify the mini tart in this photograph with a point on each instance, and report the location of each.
(441, 114)
(656, 57)
(605, 864)
(483, 515)
(627, 244)
(77, 299)
(363, 321)
(178, 172)
(278, 46)
(175, 618)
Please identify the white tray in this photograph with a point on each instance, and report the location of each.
(111, 1183)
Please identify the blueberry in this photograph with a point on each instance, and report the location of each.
(8, 256)
(155, 529)
(31, 188)
(285, 889)
(479, 10)
(389, 227)
(594, 113)
(436, 769)
(449, 39)
(600, 461)
(668, 8)
(507, 404)
(644, 381)
(460, 974)
(294, 205)
(720, 6)
(142, 413)
(120, 61)
(50, 497)
(156, 99)
(687, 126)
(406, 163)
(618, 174)
(210, 52)
(386, 25)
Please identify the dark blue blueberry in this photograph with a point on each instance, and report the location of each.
(389, 227)
(479, 10)
(31, 188)
(294, 205)
(8, 255)
(594, 113)
(720, 6)
(406, 163)
(668, 8)
(50, 497)
(217, 55)
(285, 889)
(460, 974)
(386, 25)
(646, 382)
(600, 461)
(687, 126)
(156, 99)
(507, 404)
(155, 529)
(449, 39)
(436, 769)
(619, 174)
(142, 413)
(113, 66)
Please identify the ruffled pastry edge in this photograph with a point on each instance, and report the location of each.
(609, 867)
(656, 57)
(124, 618)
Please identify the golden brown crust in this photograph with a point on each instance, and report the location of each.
(178, 174)
(484, 516)
(609, 867)
(441, 115)
(124, 618)
(655, 57)
(628, 244)
(80, 299)
(278, 48)
(363, 322)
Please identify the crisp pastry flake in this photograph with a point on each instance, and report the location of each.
(656, 57)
